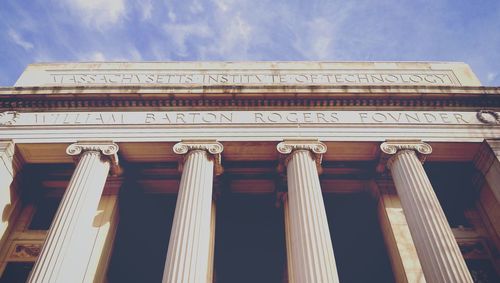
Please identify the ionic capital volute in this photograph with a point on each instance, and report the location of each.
(288, 148)
(213, 148)
(390, 149)
(107, 150)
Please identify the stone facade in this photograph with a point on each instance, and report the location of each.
(299, 132)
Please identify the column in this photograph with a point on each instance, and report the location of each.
(310, 244)
(9, 166)
(188, 255)
(436, 246)
(69, 244)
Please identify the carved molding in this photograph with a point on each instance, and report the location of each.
(391, 148)
(8, 118)
(489, 117)
(35, 103)
(105, 149)
(288, 147)
(12, 161)
(26, 251)
(214, 149)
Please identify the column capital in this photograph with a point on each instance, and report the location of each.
(391, 149)
(214, 148)
(287, 148)
(105, 148)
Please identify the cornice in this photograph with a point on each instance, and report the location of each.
(196, 97)
(165, 104)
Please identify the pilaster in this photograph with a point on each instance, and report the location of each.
(397, 236)
(9, 165)
(436, 246)
(487, 161)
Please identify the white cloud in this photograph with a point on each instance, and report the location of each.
(490, 77)
(171, 16)
(196, 7)
(97, 56)
(146, 7)
(97, 13)
(315, 39)
(17, 39)
(223, 5)
(178, 33)
(233, 39)
(135, 55)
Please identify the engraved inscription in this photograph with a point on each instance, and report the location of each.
(209, 78)
(247, 118)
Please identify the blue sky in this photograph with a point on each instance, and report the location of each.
(235, 30)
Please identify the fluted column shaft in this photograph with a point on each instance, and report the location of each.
(312, 258)
(436, 246)
(188, 255)
(65, 255)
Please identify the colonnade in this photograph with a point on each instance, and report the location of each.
(310, 252)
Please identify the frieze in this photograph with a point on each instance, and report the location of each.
(174, 118)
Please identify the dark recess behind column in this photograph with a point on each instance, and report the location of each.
(142, 237)
(358, 245)
(250, 243)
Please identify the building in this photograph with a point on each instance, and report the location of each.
(250, 172)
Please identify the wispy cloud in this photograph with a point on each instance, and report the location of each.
(491, 77)
(97, 13)
(333, 30)
(146, 7)
(196, 7)
(180, 33)
(17, 39)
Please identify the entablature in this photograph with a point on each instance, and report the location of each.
(198, 97)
